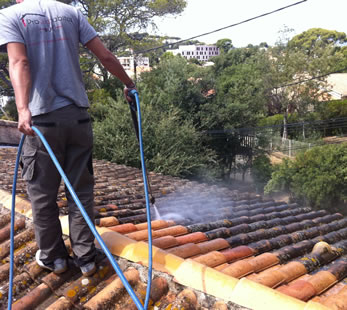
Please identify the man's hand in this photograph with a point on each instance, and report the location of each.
(127, 91)
(24, 122)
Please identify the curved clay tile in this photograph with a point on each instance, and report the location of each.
(165, 242)
(191, 238)
(211, 259)
(124, 228)
(302, 290)
(322, 280)
(185, 250)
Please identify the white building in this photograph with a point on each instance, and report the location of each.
(337, 86)
(199, 52)
(128, 63)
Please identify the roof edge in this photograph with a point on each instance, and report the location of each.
(200, 277)
(256, 296)
(186, 272)
(22, 206)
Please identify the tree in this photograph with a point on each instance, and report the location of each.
(314, 40)
(261, 171)
(316, 177)
(240, 89)
(239, 102)
(224, 45)
(5, 83)
(291, 88)
(322, 45)
(176, 84)
(122, 23)
(172, 146)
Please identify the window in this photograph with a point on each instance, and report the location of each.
(198, 48)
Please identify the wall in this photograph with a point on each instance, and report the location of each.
(9, 133)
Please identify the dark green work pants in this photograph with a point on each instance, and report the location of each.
(69, 133)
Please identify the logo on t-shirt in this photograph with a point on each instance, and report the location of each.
(25, 21)
(50, 24)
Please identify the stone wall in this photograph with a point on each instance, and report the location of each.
(9, 133)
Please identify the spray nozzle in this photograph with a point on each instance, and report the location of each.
(152, 200)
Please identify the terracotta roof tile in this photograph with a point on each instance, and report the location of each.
(186, 250)
(335, 301)
(222, 243)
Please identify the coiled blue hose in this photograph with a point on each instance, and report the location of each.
(86, 217)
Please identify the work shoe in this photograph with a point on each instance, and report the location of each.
(99, 256)
(58, 266)
(88, 269)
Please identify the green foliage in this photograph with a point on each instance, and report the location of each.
(175, 84)
(122, 24)
(274, 120)
(5, 84)
(164, 7)
(240, 89)
(316, 39)
(309, 54)
(277, 120)
(224, 45)
(261, 171)
(226, 96)
(195, 61)
(11, 110)
(6, 3)
(101, 101)
(333, 109)
(119, 18)
(167, 56)
(324, 48)
(316, 177)
(172, 146)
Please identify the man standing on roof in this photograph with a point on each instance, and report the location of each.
(42, 39)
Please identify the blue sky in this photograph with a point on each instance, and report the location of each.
(202, 16)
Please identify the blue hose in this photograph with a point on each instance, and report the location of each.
(13, 213)
(86, 217)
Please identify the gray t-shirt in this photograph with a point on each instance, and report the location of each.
(51, 32)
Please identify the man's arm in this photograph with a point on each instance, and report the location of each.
(111, 63)
(21, 82)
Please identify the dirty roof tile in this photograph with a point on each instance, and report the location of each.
(217, 235)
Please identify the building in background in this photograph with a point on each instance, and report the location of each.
(128, 63)
(199, 52)
(337, 86)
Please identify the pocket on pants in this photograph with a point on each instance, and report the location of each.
(27, 161)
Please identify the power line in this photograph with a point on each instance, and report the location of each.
(223, 28)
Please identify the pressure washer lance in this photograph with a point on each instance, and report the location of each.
(86, 217)
(133, 112)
